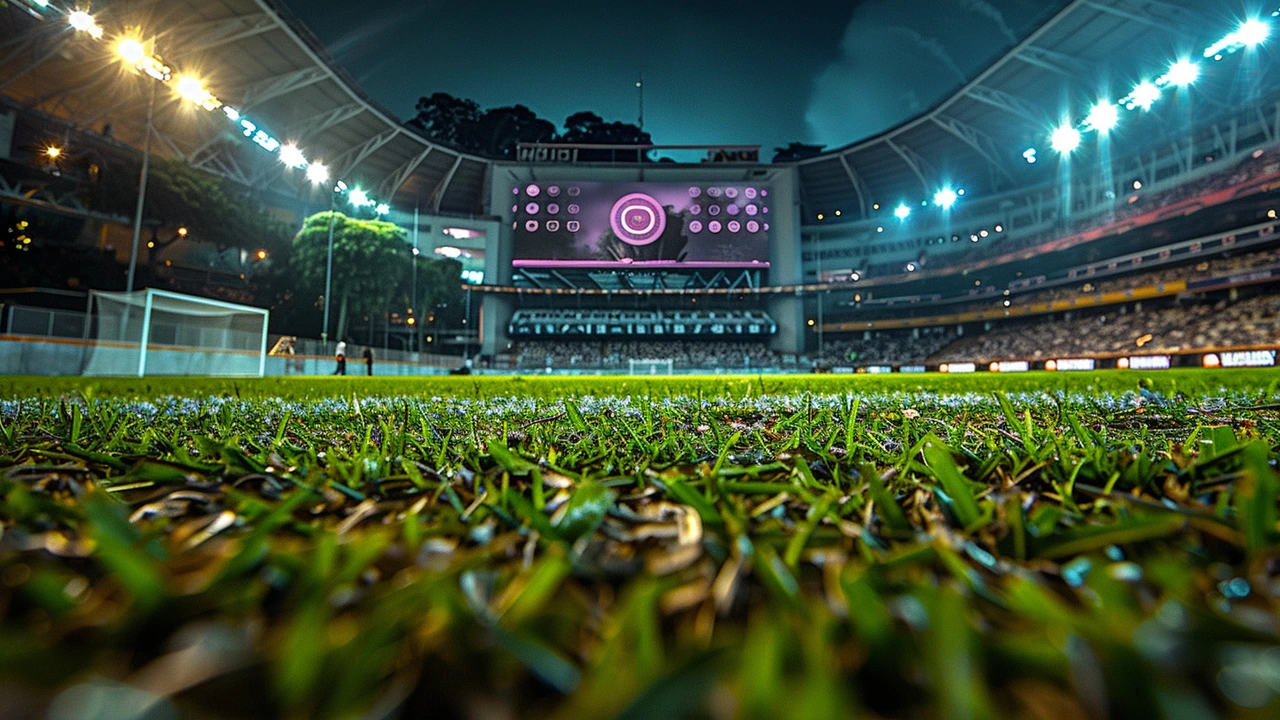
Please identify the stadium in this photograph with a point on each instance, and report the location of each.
(974, 415)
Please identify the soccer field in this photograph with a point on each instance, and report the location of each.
(1034, 546)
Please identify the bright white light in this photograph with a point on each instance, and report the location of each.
(81, 20)
(449, 251)
(1104, 116)
(292, 156)
(1253, 33)
(945, 198)
(131, 51)
(1182, 73)
(358, 198)
(902, 213)
(317, 173)
(231, 113)
(1030, 156)
(1145, 95)
(382, 209)
(1065, 139)
(911, 267)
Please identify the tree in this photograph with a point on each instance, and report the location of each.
(796, 151)
(590, 128)
(210, 208)
(501, 130)
(368, 263)
(449, 120)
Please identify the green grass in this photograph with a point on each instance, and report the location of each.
(1032, 546)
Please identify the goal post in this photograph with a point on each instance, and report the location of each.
(157, 332)
(651, 366)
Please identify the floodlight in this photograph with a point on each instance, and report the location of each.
(382, 209)
(945, 198)
(358, 198)
(1253, 33)
(1182, 73)
(131, 51)
(1145, 95)
(1065, 139)
(53, 153)
(1104, 116)
(190, 88)
(1030, 156)
(903, 212)
(81, 20)
(292, 156)
(317, 173)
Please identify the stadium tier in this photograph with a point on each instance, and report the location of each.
(1022, 198)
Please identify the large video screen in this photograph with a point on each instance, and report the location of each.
(634, 225)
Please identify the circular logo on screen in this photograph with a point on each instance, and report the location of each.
(731, 193)
(553, 209)
(753, 226)
(734, 226)
(553, 226)
(695, 227)
(532, 208)
(715, 226)
(554, 191)
(533, 191)
(750, 193)
(638, 219)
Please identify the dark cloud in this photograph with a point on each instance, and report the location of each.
(748, 71)
(898, 58)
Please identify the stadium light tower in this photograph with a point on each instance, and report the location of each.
(1253, 33)
(1183, 73)
(1065, 139)
(317, 173)
(1104, 116)
(292, 157)
(1145, 95)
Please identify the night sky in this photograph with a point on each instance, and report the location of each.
(750, 71)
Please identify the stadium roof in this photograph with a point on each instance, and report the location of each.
(256, 57)
(261, 60)
(975, 137)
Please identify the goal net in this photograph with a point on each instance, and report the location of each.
(652, 367)
(155, 332)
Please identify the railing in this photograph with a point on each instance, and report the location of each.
(42, 322)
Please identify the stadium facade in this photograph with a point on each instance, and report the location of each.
(961, 220)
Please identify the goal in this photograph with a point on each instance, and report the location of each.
(156, 332)
(652, 367)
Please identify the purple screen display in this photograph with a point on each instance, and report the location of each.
(641, 224)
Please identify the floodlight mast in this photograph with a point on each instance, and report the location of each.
(142, 189)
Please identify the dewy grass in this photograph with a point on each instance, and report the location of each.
(1093, 545)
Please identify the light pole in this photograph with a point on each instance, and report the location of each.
(328, 271)
(142, 189)
(413, 285)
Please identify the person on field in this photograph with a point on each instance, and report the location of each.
(368, 361)
(342, 358)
